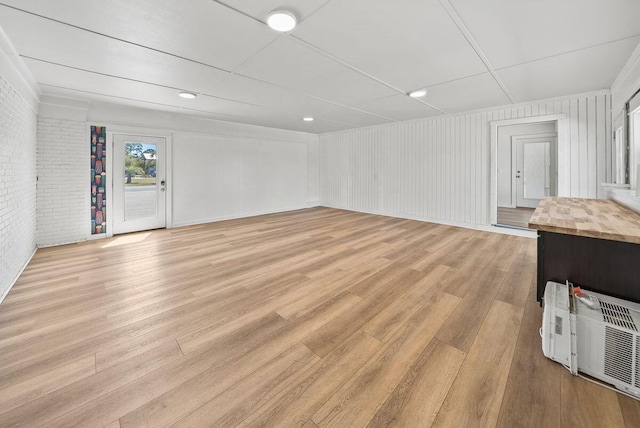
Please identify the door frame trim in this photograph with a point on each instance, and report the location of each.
(563, 156)
(113, 130)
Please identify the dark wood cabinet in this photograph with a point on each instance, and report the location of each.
(602, 265)
(593, 243)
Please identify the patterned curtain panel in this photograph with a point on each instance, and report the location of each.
(98, 178)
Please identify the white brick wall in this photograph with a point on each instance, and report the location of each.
(63, 182)
(17, 184)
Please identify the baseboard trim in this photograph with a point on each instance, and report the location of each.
(409, 217)
(483, 227)
(74, 241)
(18, 275)
(234, 217)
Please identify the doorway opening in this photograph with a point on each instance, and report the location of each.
(525, 158)
(139, 184)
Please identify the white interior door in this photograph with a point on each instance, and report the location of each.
(535, 170)
(139, 183)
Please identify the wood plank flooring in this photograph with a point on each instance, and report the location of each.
(312, 318)
(518, 217)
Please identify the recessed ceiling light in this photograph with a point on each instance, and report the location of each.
(418, 93)
(281, 20)
(187, 95)
(307, 119)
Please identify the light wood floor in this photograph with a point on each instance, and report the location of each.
(311, 318)
(518, 217)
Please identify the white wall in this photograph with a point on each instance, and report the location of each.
(221, 177)
(438, 169)
(17, 184)
(63, 182)
(19, 97)
(220, 170)
(505, 156)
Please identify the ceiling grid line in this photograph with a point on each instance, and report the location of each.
(116, 38)
(145, 82)
(99, 73)
(544, 58)
(118, 97)
(455, 17)
(293, 91)
(209, 95)
(228, 6)
(229, 72)
(348, 64)
(200, 93)
(233, 71)
(357, 70)
(249, 58)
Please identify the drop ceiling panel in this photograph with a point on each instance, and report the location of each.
(201, 30)
(117, 90)
(124, 116)
(289, 64)
(205, 108)
(99, 101)
(318, 126)
(541, 49)
(352, 117)
(48, 41)
(515, 31)
(127, 116)
(399, 107)
(470, 93)
(580, 71)
(409, 44)
(253, 91)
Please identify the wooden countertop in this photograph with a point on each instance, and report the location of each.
(593, 218)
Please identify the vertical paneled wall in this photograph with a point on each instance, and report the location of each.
(438, 169)
(312, 173)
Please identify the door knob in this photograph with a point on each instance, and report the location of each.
(162, 183)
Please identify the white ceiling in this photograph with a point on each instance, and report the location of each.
(349, 63)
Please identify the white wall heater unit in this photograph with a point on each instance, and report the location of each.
(594, 334)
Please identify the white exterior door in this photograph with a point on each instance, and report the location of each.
(535, 170)
(139, 183)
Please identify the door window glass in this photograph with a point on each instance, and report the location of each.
(140, 186)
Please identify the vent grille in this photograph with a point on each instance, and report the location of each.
(617, 315)
(637, 363)
(618, 355)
